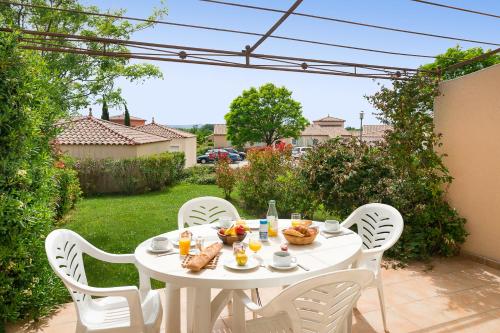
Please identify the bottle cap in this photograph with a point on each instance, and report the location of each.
(263, 221)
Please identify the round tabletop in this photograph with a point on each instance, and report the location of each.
(322, 256)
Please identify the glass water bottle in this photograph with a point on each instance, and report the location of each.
(272, 219)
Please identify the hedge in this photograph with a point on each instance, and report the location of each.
(130, 176)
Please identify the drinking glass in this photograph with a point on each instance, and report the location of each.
(296, 219)
(199, 243)
(238, 246)
(255, 244)
(184, 245)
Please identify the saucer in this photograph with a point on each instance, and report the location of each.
(283, 268)
(167, 249)
(331, 232)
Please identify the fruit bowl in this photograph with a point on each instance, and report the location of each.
(229, 239)
(305, 240)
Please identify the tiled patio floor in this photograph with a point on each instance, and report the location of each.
(457, 295)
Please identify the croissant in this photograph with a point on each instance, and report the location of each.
(293, 232)
(199, 261)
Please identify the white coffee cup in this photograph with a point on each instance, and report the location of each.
(225, 222)
(283, 259)
(159, 243)
(332, 225)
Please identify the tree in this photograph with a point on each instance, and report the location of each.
(266, 114)
(86, 78)
(456, 54)
(127, 116)
(105, 112)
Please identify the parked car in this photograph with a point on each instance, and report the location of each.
(234, 151)
(203, 159)
(218, 153)
(298, 152)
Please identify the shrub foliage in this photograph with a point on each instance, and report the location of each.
(225, 176)
(130, 176)
(271, 175)
(200, 175)
(29, 106)
(405, 172)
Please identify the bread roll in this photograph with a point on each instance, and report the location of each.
(199, 261)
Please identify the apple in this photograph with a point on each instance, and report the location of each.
(240, 230)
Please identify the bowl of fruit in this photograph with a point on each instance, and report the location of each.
(235, 233)
(300, 234)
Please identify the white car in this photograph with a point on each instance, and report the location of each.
(298, 152)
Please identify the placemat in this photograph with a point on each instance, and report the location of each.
(212, 264)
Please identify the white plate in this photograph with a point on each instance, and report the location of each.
(168, 249)
(251, 264)
(283, 268)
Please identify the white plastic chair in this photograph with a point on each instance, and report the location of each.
(320, 304)
(123, 309)
(205, 210)
(379, 227)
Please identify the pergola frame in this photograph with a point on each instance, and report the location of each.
(247, 58)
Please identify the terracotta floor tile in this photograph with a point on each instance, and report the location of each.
(372, 322)
(480, 323)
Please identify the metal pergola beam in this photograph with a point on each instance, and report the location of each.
(52, 42)
(275, 26)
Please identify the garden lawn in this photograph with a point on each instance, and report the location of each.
(117, 224)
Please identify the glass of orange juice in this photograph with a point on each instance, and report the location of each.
(184, 244)
(296, 219)
(255, 244)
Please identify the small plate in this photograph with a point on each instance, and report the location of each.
(283, 268)
(251, 264)
(323, 229)
(168, 249)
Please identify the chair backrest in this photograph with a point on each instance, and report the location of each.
(205, 210)
(379, 225)
(64, 251)
(322, 303)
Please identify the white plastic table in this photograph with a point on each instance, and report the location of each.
(322, 256)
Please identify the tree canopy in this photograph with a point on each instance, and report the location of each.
(86, 79)
(455, 55)
(265, 114)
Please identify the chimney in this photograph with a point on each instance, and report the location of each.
(153, 120)
(90, 112)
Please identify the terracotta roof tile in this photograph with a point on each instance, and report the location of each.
(92, 131)
(328, 118)
(164, 131)
(316, 130)
(122, 116)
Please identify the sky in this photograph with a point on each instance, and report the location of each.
(198, 94)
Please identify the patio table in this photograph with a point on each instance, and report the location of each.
(322, 256)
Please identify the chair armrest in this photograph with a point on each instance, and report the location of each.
(130, 293)
(111, 258)
(249, 304)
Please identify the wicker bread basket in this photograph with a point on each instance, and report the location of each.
(302, 240)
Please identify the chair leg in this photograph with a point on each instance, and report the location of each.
(381, 299)
(253, 294)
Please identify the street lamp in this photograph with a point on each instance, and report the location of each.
(361, 116)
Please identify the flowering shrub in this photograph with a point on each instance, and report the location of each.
(271, 174)
(225, 176)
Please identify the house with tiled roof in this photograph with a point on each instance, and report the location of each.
(134, 121)
(90, 137)
(178, 140)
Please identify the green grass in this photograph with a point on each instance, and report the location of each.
(117, 224)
